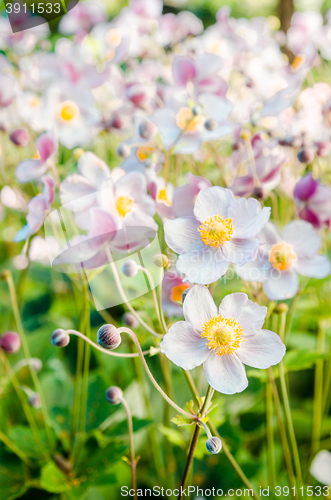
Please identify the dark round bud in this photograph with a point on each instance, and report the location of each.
(197, 110)
(147, 129)
(214, 445)
(60, 338)
(123, 150)
(281, 308)
(161, 260)
(10, 342)
(323, 148)
(305, 155)
(259, 193)
(36, 364)
(20, 137)
(211, 124)
(291, 141)
(34, 401)
(109, 337)
(114, 395)
(130, 268)
(185, 292)
(5, 274)
(130, 320)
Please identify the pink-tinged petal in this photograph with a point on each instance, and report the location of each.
(321, 467)
(184, 70)
(197, 183)
(226, 374)
(183, 201)
(304, 238)
(77, 191)
(270, 234)
(98, 260)
(103, 228)
(316, 267)
(241, 251)
(199, 307)
(281, 285)
(36, 214)
(184, 346)
(248, 217)
(242, 186)
(182, 235)
(93, 169)
(202, 267)
(310, 216)
(46, 145)
(250, 315)
(207, 64)
(49, 189)
(261, 350)
(305, 188)
(212, 201)
(30, 170)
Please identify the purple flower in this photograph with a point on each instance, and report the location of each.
(313, 201)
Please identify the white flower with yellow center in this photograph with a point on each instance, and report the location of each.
(68, 111)
(284, 257)
(223, 230)
(223, 339)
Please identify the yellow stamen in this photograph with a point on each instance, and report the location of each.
(224, 335)
(68, 111)
(186, 120)
(34, 102)
(177, 292)
(124, 205)
(216, 231)
(144, 152)
(282, 255)
(162, 196)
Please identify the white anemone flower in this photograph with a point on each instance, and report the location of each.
(223, 230)
(284, 257)
(321, 467)
(223, 339)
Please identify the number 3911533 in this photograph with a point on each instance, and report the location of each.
(35, 8)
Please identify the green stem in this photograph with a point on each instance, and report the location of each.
(133, 462)
(156, 305)
(165, 328)
(27, 355)
(270, 438)
(318, 394)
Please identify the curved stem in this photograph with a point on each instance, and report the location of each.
(165, 327)
(124, 297)
(133, 462)
(152, 379)
(156, 305)
(105, 351)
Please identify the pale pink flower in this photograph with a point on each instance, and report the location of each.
(31, 170)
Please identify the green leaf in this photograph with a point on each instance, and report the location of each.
(53, 480)
(190, 405)
(182, 421)
(173, 435)
(12, 478)
(24, 440)
(301, 359)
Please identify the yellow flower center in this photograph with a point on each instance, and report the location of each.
(185, 120)
(162, 196)
(144, 152)
(113, 37)
(282, 255)
(224, 335)
(68, 111)
(124, 205)
(34, 102)
(177, 292)
(216, 231)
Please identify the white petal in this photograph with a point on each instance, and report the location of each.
(258, 270)
(93, 169)
(281, 285)
(248, 217)
(225, 373)
(305, 240)
(270, 234)
(199, 306)
(76, 191)
(30, 170)
(321, 467)
(317, 267)
(261, 350)
(212, 201)
(184, 346)
(202, 267)
(240, 251)
(249, 314)
(182, 235)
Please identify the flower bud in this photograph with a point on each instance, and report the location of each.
(20, 137)
(161, 260)
(123, 150)
(130, 268)
(34, 401)
(114, 395)
(109, 337)
(323, 148)
(211, 124)
(214, 445)
(259, 193)
(5, 274)
(36, 364)
(10, 342)
(60, 338)
(130, 320)
(197, 110)
(77, 152)
(305, 155)
(147, 129)
(305, 187)
(281, 308)
(185, 292)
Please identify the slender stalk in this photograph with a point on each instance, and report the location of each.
(12, 446)
(192, 386)
(318, 393)
(156, 305)
(159, 290)
(27, 355)
(270, 438)
(133, 462)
